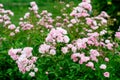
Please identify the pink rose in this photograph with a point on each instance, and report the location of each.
(107, 59)
(64, 50)
(117, 35)
(53, 51)
(106, 74)
(11, 26)
(102, 66)
(90, 64)
(32, 74)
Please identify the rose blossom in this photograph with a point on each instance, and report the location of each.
(107, 59)
(90, 64)
(102, 66)
(11, 26)
(32, 74)
(64, 50)
(117, 35)
(52, 51)
(106, 74)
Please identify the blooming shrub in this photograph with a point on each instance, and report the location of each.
(25, 60)
(66, 46)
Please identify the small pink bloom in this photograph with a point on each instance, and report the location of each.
(27, 15)
(12, 34)
(11, 26)
(83, 58)
(89, 21)
(64, 50)
(106, 74)
(32, 3)
(44, 48)
(75, 56)
(17, 30)
(107, 59)
(102, 66)
(104, 14)
(34, 59)
(109, 46)
(94, 52)
(70, 25)
(90, 64)
(69, 45)
(32, 74)
(36, 69)
(66, 39)
(73, 21)
(117, 35)
(28, 68)
(58, 24)
(60, 39)
(52, 51)
(1, 20)
(1, 5)
(27, 51)
(74, 49)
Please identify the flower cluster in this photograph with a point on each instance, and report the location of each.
(88, 60)
(26, 25)
(34, 8)
(6, 20)
(44, 48)
(93, 23)
(82, 57)
(82, 9)
(46, 19)
(57, 35)
(92, 57)
(24, 59)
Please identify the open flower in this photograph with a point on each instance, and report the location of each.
(102, 66)
(106, 74)
(117, 35)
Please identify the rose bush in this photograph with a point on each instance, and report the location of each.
(75, 45)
